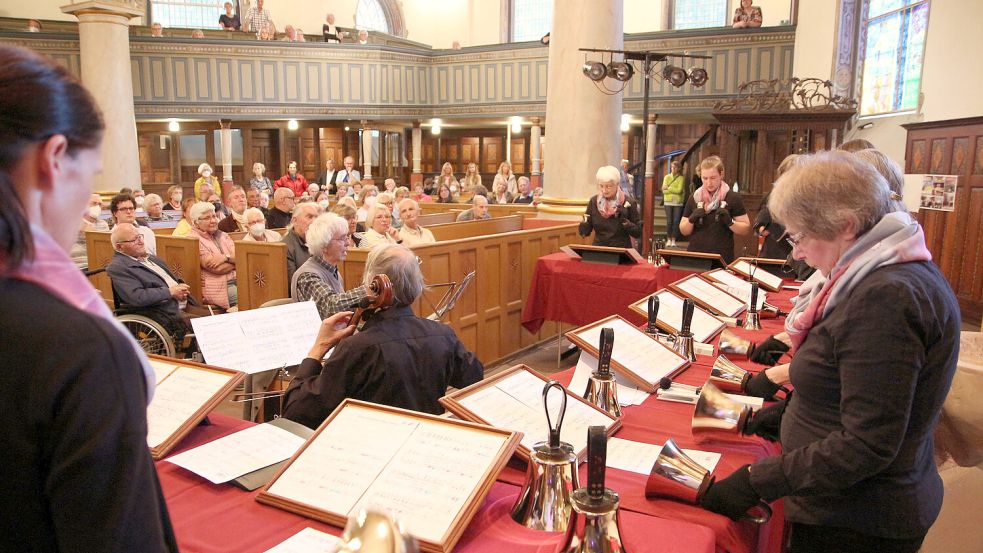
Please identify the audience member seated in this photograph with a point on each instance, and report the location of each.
(363, 37)
(289, 34)
(714, 213)
(323, 201)
(411, 233)
(257, 19)
(505, 174)
(401, 194)
(471, 179)
(347, 212)
(479, 191)
(292, 180)
(185, 225)
(174, 196)
(310, 194)
(300, 35)
(296, 237)
(318, 279)
(156, 30)
(387, 200)
(217, 254)
(236, 220)
(613, 218)
(429, 187)
(349, 174)
(90, 221)
(447, 178)
(254, 198)
(341, 192)
(328, 179)
(124, 210)
(501, 195)
(229, 21)
(256, 223)
(478, 212)
(197, 33)
(525, 191)
(444, 195)
(138, 196)
(332, 34)
(366, 192)
(380, 228)
(154, 206)
(267, 33)
(537, 195)
(221, 209)
(143, 280)
(747, 16)
(397, 358)
(259, 180)
(419, 195)
(283, 205)
(389, 185)
(206, 178)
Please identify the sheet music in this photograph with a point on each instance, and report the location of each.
(736, 286)
(636, 351)
(161, 370)
(240, 453)
(628, 393)
(640, 457)
(258, 340)
(716, 298)
(704, 325)
(422, 471)
(307, 540)
(178, 398)
(760, 274)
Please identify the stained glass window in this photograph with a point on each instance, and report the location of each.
(893, 54)
(188, 14)
(531, 19)
(370, 16)
(699, 14)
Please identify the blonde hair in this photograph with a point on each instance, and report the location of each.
(786, 164)
(712, 162)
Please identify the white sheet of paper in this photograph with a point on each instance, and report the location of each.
(759, 274)
(704, 325)
(636, 351)
(307, 540)
(717, 299)
(240, 453)
(737, 286)
(178, 397)
(640, 457)
(162, 370)
(628, 394)
(258, 340)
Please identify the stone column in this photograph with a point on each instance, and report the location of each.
(417, 174)
(366, 153)
(104, 42)
(536, 153)
(226, 139)
(648, 211)
(585, 131)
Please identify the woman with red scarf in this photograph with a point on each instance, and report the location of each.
(714, 213)
(613, 218)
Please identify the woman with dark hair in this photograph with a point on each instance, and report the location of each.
(444, 195)
(74, 412)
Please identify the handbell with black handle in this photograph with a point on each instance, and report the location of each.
(684, 345)
(751, 319)
(594, 527)
(602, 388)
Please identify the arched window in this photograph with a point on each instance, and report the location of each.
(370, 15)
(893, 53)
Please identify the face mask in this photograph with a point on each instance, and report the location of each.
(324, 204)
(206, 174)
(453, 189)
(176, 199)
(257, 229)
(94, 211)
(139, 201)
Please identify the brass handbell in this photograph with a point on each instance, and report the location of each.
(751, 319)
(676, 475)
(378, 532)
(602, 388)
(772, 309)
(684, 345)
(551, 477)
(594, 526)
(718, 416)
(727, 376)
(732, 344)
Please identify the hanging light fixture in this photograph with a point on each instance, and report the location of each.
(698, 76)
(516, 124)
(620, 71)
(435, 125)
(292, 124)
(675, 75)
(173, 125)
(595, 70)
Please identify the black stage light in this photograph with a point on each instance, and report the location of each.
(675, 75)
(620, 70)
(698, 76)
(595, 70)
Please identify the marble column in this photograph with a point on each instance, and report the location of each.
(226, 139)
(366, 153)
(104, 43)
(585, 123)
(650, 188)
(536, 152)
(417, 137)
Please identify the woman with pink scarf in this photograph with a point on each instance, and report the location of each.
(714, 213)
(74, 385)
(876, 348)
(613, 218)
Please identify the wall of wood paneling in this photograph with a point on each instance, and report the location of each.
(955, 238)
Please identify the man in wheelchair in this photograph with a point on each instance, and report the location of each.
(143, 284)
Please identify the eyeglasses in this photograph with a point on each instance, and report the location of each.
(794, 239)
(126, 209)
(138, 238)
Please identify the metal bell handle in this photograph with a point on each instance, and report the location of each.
(763, 518)
(653, 313)
(688, 308)
(554, 432)
(753, 307)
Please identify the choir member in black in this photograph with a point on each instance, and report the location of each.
(611, 216)
(714, 213)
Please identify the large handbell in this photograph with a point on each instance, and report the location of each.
(594, 526)
(551, 477)
(602, 388)
(676, 475)
(732, 344)
(718, 416)
(727, 376)
(377, 532)
(752, 321)
(684, 344)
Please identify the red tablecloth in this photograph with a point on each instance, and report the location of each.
(221, 518)
(572, 291)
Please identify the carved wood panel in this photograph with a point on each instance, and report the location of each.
(492, 154)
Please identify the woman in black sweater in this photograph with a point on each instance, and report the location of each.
(613, 218)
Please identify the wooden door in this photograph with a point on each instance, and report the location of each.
(470, 152)
(266, 150)
(492, 154)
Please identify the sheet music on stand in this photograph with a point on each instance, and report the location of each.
(258, 340)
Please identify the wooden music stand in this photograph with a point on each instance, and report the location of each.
(603, 255)
(692, 261)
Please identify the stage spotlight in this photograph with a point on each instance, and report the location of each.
(675, 75)
(620, 70)
(595, 70)
(698, 76)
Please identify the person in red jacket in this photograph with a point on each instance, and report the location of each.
(292, 180)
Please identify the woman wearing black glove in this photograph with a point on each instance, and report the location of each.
(613, 218)
(714, 213)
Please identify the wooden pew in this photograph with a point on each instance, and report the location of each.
(469, 229)
(180, 253)
(436, 218)
(495, 210)
(99, 251)
(261, 272)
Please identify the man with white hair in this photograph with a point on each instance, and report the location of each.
(318, 279)
(411, 232)
(525, 191)
(154, 206)
(256, 225)
(296, 237)
(396, 359)
(349, 174)
(476, 213)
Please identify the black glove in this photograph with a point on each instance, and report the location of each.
(732, 496)
(723, 216)
(697, 215)
(767, 422)
(761, 386)
(769, 351)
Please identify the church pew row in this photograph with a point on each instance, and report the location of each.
(495, 210)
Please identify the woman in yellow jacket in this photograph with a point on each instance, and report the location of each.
(672, 199)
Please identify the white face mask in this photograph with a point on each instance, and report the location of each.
(257, 229)
(206, 174)
(94, 211)
(453, 189)
(324, 204)
(139, 200)
(176, 199)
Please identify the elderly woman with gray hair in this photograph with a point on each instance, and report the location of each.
(380, 229)
(396, 359)
(613, 218)
(217, 253)
(877, 345)
(318, 279)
